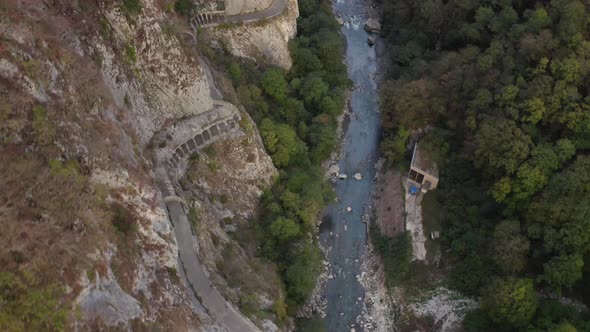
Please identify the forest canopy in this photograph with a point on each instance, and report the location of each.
(508, 82)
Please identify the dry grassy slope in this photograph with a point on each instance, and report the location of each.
(83, 86)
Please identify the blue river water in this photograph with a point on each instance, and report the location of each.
(343, 232)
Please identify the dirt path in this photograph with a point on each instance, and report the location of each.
(389, 203)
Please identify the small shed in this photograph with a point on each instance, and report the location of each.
(423, 170)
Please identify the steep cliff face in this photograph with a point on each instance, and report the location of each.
(84, 86)
(265, 40)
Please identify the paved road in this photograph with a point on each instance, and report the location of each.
(275, 9)
(217, 307)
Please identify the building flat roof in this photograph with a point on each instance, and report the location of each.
(422, 160)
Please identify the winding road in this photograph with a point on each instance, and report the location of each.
(217, 307)
(196, 275)
(212, 19)
(275, 9)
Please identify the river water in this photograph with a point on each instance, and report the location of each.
(343, 233)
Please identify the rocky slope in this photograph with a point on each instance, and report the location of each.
(84, 86)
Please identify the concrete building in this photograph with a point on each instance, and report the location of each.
(423, 170)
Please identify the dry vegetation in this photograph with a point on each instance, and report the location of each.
(52, 217)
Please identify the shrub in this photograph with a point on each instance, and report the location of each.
(69, 170)
(130, 53)
(476, 321)
(42, 127)
(280, 309)
(223, 199)
(235, 72)
(212, 166)
(29, 305)
(396, 254)
(132, 6)
(184, 7)
(211, 151)
(123, 219)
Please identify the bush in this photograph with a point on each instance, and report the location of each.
(132, 6)
(184, 7)
(468, 275)
(235, 72)
(69, 170)
(123, 219)
(279, 308)
(29, 305)
(476, 321)
(396, 254)
(130, 53)
(310, 325)
(42, 127)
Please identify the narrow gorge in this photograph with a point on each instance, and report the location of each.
(163, 164)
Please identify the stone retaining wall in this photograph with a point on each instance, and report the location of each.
(202, 139)
(188, 136)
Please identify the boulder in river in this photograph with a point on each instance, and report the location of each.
(373, 26)
(358, 176)
(340, 20)
(371, 40)
(334, 169)
(342, 176)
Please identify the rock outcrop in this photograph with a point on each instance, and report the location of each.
(373, 26)
(265, 41)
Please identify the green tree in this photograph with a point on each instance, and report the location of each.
(274, 84)
(510, 300)
(509, 247)
(501, 144)
(394, 149)
(563, 271)
(469, 274)
(281, 141)
(235, 72)
(306, 62)
(314, 89)
(538, 19)
(565, 327)
(283, 229)
(534, 110)
(301, 274)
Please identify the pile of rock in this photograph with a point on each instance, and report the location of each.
(372, 26)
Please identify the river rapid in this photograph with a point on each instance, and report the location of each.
(342, 233)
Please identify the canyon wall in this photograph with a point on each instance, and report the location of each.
(266, 41)
(84, 88)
